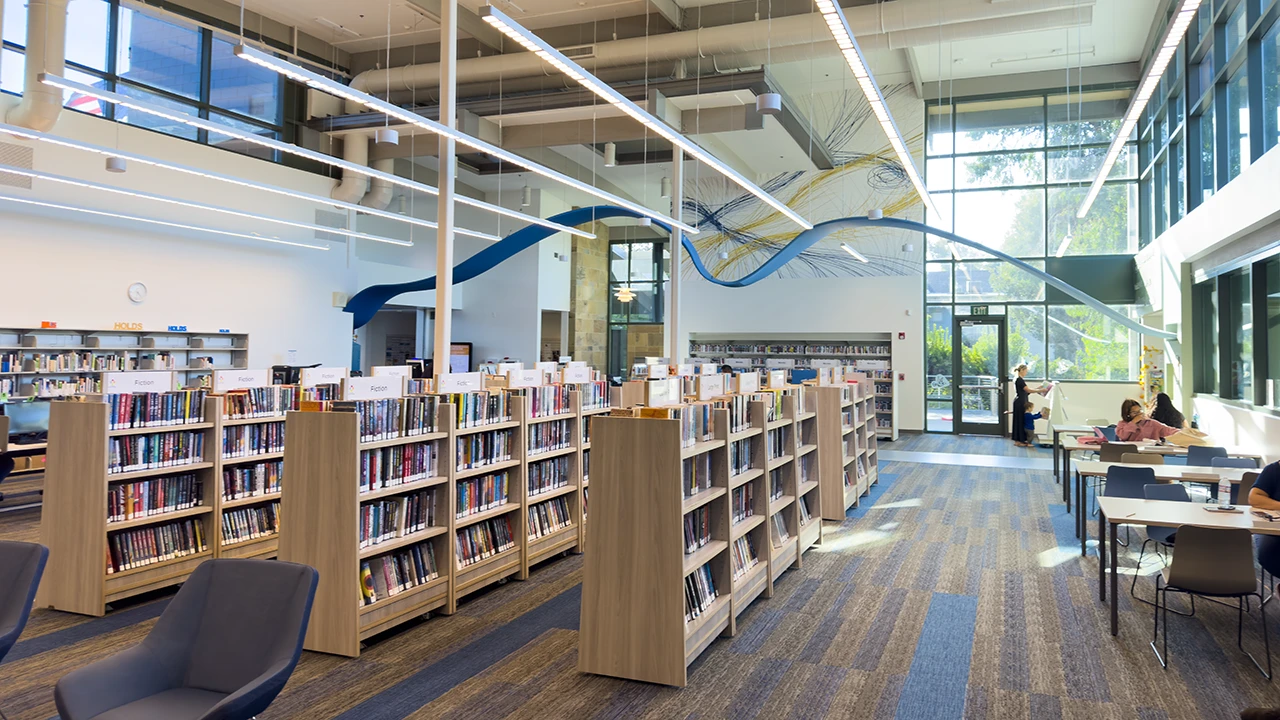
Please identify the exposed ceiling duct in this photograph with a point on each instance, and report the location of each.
(46, 53)
(352, 188)
(874, 25)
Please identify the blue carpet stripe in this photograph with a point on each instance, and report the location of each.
(118, 620)
(406, 697)
(885, 481)
(936, 686)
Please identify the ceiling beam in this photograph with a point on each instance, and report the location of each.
(671, 11)
(913, 65)
(468, 22)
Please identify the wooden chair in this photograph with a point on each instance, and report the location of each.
(1142, 458)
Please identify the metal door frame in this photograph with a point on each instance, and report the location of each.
(958, 426)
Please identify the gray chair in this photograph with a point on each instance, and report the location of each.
(21, 565)
(1234, 462)
(1202, 456)
(1141, 458)
(1114, 451)
(1163, 537)
(1213, 562)
(222, 650)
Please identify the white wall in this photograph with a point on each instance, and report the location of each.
(820, 305)
(1231, 425)
(1075, 401)
(386, 322)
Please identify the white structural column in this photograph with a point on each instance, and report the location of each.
(448, 172)
(672, 349)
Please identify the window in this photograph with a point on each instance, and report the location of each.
(1237, 29)
(159, 54)
(1085, 344)
(938, 284)
(241, 86)
(1273, 327)
(987, 281)
(1008, 220)
(639, 266)
(999, 125)
(1027, 338)
(1205, 322)
(1240, 334)
(1110, 228)
(1271, 86)
(1238, 152)
(1207, 184)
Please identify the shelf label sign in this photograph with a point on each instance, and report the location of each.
(709, 369)
(372, 388)
(461, 382)
(577, 363)
(738, 362)
(226, 380)
(686, 370)
(323, 376)
(48, 325)
(663, 392)
(177, 328)
(779, 362)
(577, 374)
(658, 371)
(748, 382)
(777, 378)
(138, 382)
(225, 331)
(525, 378)
(710, 386)
(399, 371)
(126, 326)
(507, 367)
(821, 363)
(548, 366)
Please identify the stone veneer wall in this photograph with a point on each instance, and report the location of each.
(589, 298)
(643, 341)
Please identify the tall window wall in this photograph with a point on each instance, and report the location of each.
(160, 59)
(1230, 77)
(645, 268)
(1010, 173)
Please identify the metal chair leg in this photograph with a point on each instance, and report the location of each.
(1266, 638)
(1162, 598)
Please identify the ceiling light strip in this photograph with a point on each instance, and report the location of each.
(143, 160)
(273, 144)
(1177, 29)
(38, 175)
(839, 27)
(550, 55)
(324, 84)
(849, 249)
(153, 221)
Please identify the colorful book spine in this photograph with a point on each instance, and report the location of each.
(240, 441)
(550, 436)
(699, 592)
(479, 494)
(546, 518)
(144, 410)
(389, 575)
(250, 523)
(484, 448)
(140, 547)
(547, 475)
(131, 453)
(154, 496)
(245, 481)
(484, 540)
(398, 465)
(391, 518)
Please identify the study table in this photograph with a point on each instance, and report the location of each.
(1113, 512)
(1058, 431)
(1163, 473)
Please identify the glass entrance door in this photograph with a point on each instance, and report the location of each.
(979, 363)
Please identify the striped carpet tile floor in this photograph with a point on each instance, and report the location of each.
(951, 592)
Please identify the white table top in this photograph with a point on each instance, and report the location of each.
(1071, 444)
(1168, 473)
(1072, 428)
(1166, 513)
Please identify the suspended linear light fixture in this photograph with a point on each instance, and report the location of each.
(857, 255)
(332, 87)
(36, 135)
(153, 221)
(38, 175)
(839, 27)
(345, 166)
(1151, 80)
(550, 55)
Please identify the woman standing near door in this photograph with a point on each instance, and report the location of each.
(1022, 393)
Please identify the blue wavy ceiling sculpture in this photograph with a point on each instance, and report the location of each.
(367, 302)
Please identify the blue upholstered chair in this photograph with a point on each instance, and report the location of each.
(1202, 456)
(1234, 462)
(21, 565)
(1127, 482)
(222, 650)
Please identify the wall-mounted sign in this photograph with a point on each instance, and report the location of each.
(138, 382)
(227, 380)
(709, 369)
(323, 376)
(177, 328)
(372, 388)
(48, 324)
(461, 382)
(744, 363)
(821, 363)
(127, 326)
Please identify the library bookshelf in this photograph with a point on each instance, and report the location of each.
(56, 362)
(634, 586)
(865, 399)
(749, 515)
(74, 515)
(808, 504)
(837, 450)
(589, 415)
(266, 462)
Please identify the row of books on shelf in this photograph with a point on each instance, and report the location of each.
(158, 409)
(549, 517)
(699, 592)
(547, 475)
(776, 484)
(778, 533)
(853, 349)
(884, 405)
(12, 362)
(484, 539)
(697, 529)
(739, 407)
(802, 504)
(392, 418)
(548, 400)
(250, 523)
(259, 402)
(486, 448)
(743, 505)
(139, 547)
(595, 395)
(776, 442)
(245, 481)
(398, 465)
(744, 554)
(145, 498)
(474, 409)
(478, 494)
(586, 465)
(862, 467)
(740, 456)
(696, 420)
(395, 517)
(884, 424)
(772, 400)
(696, 474)
(159, 450)
(550, 436)
(386, 576)
(239, 441)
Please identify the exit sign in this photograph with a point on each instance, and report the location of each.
(978, 310)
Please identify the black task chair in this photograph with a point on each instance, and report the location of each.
(222, 650)
(21, 565)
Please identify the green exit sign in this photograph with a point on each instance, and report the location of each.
(978, 310)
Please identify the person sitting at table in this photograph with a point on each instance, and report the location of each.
(1265, 495)
(1164, 411)
(1135, 426)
